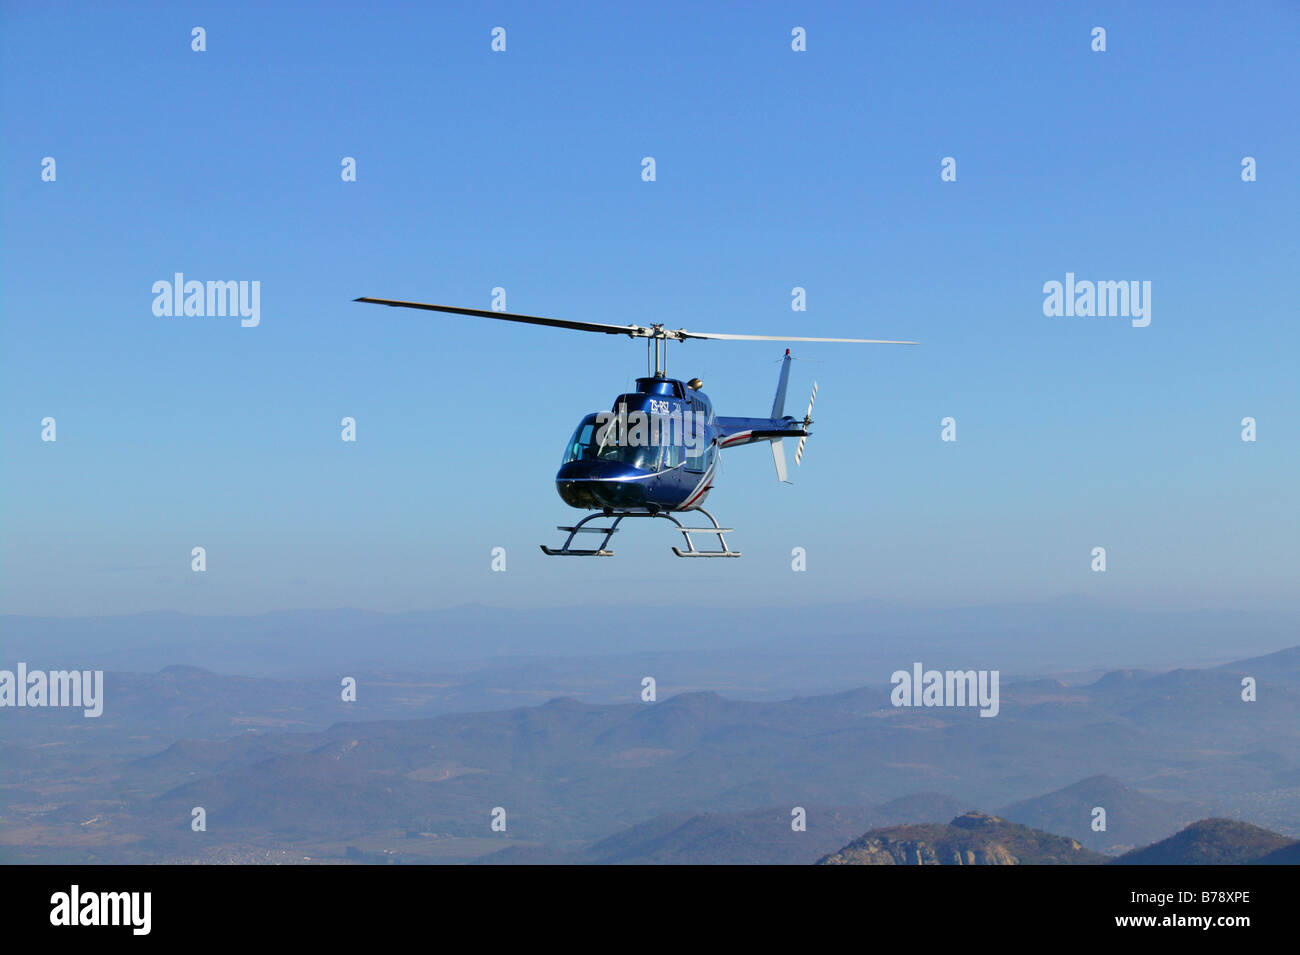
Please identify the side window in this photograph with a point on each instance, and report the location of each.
(698, 448)
(698, 460)
(674, 455)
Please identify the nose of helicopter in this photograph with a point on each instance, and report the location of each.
(592, 485)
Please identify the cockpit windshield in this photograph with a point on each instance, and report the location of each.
(612, 445)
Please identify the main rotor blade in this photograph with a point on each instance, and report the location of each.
(682, 333)
(633, 331)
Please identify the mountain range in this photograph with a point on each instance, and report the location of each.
(278, 774)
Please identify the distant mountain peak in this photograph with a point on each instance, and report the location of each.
(695, 697)
(1133, 818)
(1211, 842)
(1121, 678)
(571, 702)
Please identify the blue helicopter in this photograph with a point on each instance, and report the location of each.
(655, 453)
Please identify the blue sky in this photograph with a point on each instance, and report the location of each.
(522, 170)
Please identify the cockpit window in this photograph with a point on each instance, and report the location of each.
(618, 448)
(612, 446)
(580, 443)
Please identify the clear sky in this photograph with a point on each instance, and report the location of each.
(523, 169)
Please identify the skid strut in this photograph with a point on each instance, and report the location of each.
(617, 517)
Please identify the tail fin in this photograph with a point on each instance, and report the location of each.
(778, 405)
(778, 409)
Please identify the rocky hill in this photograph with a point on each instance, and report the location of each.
(971, 839)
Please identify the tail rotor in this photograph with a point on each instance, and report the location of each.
(807, 420)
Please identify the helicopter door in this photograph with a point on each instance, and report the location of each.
(670, 436)
(701, 460)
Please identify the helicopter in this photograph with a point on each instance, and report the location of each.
(655, 454)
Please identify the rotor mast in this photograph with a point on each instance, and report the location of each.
(656, 365)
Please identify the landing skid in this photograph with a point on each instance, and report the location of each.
(604, 551)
